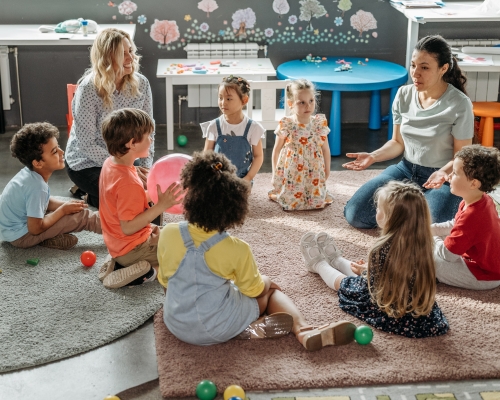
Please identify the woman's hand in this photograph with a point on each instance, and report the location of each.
(361, 162)
(358, 267)
(436, 180)
(143, 175)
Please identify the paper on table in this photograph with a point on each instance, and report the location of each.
(483, 59)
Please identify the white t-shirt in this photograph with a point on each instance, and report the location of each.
(428, 134)
(255, 133)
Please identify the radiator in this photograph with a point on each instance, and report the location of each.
(5, 77)
(481, 86)
(207, 95)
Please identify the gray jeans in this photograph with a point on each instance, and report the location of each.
(452, 269)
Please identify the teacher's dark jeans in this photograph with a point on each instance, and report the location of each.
(360, 210)
(87, 180)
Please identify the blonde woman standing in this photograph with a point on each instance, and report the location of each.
(111, 83)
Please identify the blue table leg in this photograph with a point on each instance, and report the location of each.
(335, 121)
(374, 122)
(390, 128)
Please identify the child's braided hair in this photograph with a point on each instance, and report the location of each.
(239, 84)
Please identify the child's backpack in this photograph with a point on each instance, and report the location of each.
(236, 148)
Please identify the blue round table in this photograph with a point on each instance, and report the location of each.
(374, 76)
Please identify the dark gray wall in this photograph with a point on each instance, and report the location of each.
(45, 70)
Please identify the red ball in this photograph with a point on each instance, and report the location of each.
(88, 258)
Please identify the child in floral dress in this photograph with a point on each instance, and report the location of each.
(301, 155)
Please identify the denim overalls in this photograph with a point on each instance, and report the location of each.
(201, 307)
(236, 148)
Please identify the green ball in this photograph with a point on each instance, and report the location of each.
(363, 334)
(206, 390)
(182, 140)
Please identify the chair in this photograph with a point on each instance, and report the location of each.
(70, 89)
(487, 110)
(268, 115)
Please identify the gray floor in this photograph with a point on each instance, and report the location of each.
(130, 362)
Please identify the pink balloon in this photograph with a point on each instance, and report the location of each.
(164, 172)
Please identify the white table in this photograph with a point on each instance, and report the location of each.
(249, 68)
(29, 35)
(451, 12)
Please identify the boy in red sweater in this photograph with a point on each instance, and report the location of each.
(467, 248)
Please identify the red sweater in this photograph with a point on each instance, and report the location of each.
(476, 237)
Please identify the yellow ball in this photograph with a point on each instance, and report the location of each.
(111, 398)
(234, 391)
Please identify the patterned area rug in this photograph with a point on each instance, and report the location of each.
(468, 351)
(59, 308)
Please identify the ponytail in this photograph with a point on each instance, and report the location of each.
(441, 51)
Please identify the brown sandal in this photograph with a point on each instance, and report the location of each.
(333, 334)
(268, 327)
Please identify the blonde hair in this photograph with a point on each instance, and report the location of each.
(106, 56)
(300, 84)
(406, 281)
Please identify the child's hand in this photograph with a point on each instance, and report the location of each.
(171, 196)
(73, 206)
(358, 267)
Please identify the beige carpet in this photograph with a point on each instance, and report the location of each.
(470, 350)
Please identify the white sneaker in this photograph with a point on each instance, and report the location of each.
(327, 247)
(310, 251)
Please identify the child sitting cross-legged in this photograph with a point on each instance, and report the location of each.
(126, 217)
(29, 215)
(396, 291)
(467, 248)
(215, 290)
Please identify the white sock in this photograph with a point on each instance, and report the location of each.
(344, 266)
(328, 273)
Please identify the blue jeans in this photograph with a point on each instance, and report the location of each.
(360, 210)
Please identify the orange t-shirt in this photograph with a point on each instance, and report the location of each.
(121, 197)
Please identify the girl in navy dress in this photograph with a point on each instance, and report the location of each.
(396, 291)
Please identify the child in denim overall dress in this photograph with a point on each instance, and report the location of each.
(233, 133)
(215, 290)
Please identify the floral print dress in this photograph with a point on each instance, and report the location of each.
(299, 180)
(355, 299)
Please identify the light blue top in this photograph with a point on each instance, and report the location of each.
(26, 195)
(370, 75)
(428, 134)
(86, 147)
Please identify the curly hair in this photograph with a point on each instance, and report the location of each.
(216, 199)
(106, 56)
(406, 282)
(238, 84)
(120, 126)
(481, 163)
(27, 144)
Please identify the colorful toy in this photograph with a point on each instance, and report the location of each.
(206, 390)
(33, 261)
(312, 59)
(111, 398)
(88, 258)
(182, 139)
(164, 172)
(363, 334)
(236, 398)
(234, 391)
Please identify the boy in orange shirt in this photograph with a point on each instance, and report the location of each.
(126, 217)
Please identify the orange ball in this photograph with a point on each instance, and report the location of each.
(88, 258)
